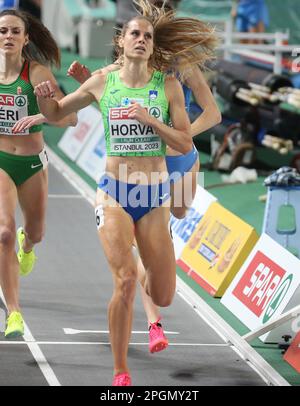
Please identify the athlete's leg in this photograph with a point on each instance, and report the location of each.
(152, 311)
(183, 192)
(157, 339)
(259, 28)
(33, 195)
(253, 30)
(9, 267)
(116, 233)
(157, 254)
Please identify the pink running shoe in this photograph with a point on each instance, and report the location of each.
(122, 379)
(157, 338)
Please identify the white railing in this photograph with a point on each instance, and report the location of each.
(231, 46)
(269, 53)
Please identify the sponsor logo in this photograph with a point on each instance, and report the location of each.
(277, 298)
(117, 114)
(20, 101)
(126, 101)
(114, 91)
(155, 112)
(35, 166)
(256, 289)
(7, 100)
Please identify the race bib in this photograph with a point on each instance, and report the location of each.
(128, 135)
(12, 109)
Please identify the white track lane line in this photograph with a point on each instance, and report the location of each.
(36, 352)
(72, 331)
(9, 342)
(52, 196)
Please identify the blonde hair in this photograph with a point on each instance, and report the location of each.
(179, 43)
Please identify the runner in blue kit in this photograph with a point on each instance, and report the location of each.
(251, 16)
(132, 202)
(182, 168)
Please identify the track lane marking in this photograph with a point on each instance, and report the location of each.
(36, 352)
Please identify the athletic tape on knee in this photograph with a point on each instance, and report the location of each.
(99, 214)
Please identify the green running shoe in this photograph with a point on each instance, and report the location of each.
(26, 259)
(14, 325)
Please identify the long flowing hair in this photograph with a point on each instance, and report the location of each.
(179, 42)
(42, 46)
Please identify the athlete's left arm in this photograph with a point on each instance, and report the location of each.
(211, 115)
(39, 74)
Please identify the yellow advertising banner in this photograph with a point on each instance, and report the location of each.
(217, 249)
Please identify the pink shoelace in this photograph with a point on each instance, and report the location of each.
(155, 330)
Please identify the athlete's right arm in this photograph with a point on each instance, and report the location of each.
(81, 73)
(55, 110)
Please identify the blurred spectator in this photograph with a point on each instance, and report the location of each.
(31, 6)
(4, 4)
(251, 16)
